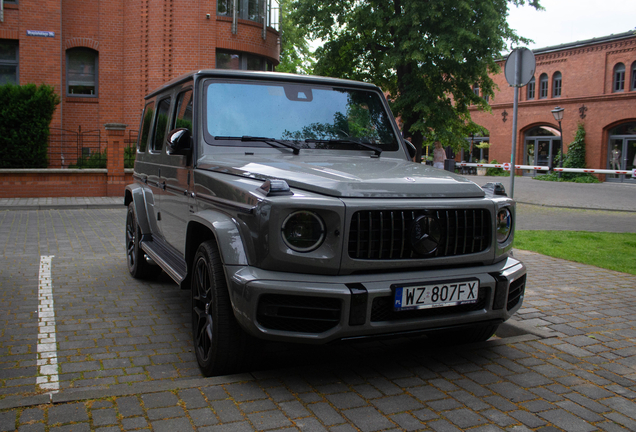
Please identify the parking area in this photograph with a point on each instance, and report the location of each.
(83, 346)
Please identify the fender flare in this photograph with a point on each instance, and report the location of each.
(135, 194)
(226, 232)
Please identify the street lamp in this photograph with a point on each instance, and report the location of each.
(558, 116)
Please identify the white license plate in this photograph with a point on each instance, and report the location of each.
(438, 294)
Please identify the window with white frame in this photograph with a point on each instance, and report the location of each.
(81, 72)
(530, 89)
(543, 86)
(556, 84)
(619, 78)
(242, 61)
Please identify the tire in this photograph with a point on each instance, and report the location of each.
(221, 346)
(137, 264)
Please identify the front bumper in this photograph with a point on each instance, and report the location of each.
(318, 309)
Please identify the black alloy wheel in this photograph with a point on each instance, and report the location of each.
(221, 345)
(137, 264)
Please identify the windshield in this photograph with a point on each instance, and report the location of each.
(307, 116)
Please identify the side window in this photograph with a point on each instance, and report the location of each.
(145, 127)
(543, 86)
(183, 113)
(531, 89)
(161, 123)
(619, 78)
(9, 60)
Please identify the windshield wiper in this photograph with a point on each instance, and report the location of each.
(364, 144)
(271, 141)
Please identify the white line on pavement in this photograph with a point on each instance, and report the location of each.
(48, 378)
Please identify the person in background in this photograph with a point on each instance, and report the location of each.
(439, 156)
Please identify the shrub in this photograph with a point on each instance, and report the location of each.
(497, 171)
(25, 114)
(96, 160)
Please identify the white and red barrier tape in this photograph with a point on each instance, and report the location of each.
(545, 168)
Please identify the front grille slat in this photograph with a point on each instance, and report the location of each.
(386, 234)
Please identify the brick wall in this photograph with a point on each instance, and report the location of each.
(54, 183)
(586, 84)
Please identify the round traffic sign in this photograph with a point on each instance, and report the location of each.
(520, 66)
(506, 166)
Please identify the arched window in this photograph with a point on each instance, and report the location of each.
(634, 76)
(531, 85)
(619, 78)
(543, 86)
(81, 72)
(556, 84)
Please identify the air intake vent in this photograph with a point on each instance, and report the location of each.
(517, 288)
(298, 313)
(403, 234)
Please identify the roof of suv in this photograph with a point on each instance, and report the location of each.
(251, 75)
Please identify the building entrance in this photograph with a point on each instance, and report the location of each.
(542, 144)
(621, 154)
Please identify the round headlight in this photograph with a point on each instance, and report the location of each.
(303, 231)
(504, 225)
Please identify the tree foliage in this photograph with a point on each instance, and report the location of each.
(295, 54)
(25, 114)
(427, 54)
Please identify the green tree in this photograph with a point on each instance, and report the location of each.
(427, 54)
(295, 54)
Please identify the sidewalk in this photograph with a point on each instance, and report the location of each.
(588, 196)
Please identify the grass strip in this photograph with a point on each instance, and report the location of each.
(612, 251)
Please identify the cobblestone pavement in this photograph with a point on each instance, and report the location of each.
(124, 361)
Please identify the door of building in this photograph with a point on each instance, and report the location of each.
(542, 143)
(621, 156)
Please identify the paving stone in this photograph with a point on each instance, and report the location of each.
(498, 417)
(165, 413)
(158, 400)
(104, 417)
(226, 410)
(464, 418)
(36, 427)
(29, 415)
(269, 420)
(7, 421)
(346, 400)
(129, 406)
(77, 427)
(566, 421)
(407, 422)
(367, 419)
(527, 418)
(310, 424)
(245, 392)
(427, 393)
(67, 413)
(134, 423)
(326, 413)
(171, 425)
(257, 406)
(294, 409)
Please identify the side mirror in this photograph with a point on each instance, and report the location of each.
(410, 148)
(179, 142)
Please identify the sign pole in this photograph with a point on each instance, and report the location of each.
(513, 153)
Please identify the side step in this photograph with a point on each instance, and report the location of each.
(170, 262)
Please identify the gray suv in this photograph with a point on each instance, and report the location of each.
(290, 207)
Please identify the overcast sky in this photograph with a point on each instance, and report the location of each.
(565, 21)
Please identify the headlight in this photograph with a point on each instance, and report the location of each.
(303, 231)
(504, 225)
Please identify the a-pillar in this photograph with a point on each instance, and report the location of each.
(116, 180)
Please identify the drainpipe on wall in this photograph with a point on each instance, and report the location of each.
(1, 10)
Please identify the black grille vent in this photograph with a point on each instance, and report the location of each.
(386, 234)
(517, 288)
(298, 313)
(382, 309)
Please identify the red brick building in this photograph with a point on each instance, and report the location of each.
(103, 56)
(594, 81)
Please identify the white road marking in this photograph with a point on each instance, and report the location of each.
(48, 378)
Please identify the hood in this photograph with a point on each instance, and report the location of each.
(351, 177)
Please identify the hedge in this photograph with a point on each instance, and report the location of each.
(25, 114)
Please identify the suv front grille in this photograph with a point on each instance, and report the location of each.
(387, 234)
(382, 309)
(298, 313)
